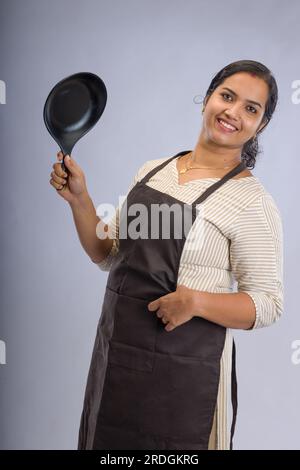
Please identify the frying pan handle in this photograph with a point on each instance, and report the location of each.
(63, 166)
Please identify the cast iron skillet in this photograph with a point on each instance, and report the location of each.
(73, 107)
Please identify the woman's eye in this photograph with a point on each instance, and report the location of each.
(255, 111)
(225, 94)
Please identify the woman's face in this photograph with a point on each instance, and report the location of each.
(240, 100)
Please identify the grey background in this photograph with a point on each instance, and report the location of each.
(154, 57)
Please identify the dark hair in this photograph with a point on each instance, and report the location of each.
(250, 149)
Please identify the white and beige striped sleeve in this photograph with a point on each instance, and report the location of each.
(256, 255)
(105, 264)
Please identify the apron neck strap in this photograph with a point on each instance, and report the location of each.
(237, 169)
(162, 165)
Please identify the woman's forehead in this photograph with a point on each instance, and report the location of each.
(248, 86)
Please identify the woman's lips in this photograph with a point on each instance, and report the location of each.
(223, 128)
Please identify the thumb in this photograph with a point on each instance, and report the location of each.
(70, 164)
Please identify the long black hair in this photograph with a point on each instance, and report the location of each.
(250, 149)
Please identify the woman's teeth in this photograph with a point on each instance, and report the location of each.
(227, 126)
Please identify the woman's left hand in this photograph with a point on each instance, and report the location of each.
(175, 308)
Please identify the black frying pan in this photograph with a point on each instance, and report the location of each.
(73, 107)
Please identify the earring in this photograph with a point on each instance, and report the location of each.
(203, 109)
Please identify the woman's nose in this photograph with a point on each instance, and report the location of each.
(233, 113)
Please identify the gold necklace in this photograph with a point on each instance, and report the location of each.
(187, 168)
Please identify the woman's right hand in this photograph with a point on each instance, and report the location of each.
(72, 186)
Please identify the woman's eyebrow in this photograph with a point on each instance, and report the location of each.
(249, 101)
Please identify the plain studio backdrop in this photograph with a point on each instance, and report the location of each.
(157, 59)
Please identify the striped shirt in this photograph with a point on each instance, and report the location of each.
(241, 248)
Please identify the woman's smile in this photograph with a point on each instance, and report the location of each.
(225, 127)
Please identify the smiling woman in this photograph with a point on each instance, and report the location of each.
(164, 356)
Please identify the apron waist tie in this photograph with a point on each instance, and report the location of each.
(233, 394)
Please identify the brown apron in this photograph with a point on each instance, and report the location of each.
(148, 388)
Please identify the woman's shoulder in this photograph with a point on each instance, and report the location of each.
(149, 165)
(265, 196)
(261, 206)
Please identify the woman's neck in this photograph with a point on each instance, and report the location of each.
(212, 155)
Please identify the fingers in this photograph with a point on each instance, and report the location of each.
(58, 176)
(60, 158)
(56, 185)
(58, 170)
(159, 313)
(57, 179)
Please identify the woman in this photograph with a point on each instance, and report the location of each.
(164, 355)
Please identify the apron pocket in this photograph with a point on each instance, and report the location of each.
(135, 329)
